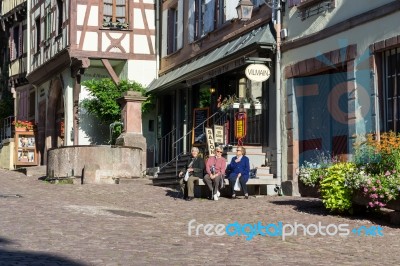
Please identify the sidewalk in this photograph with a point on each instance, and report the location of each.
(135, 223)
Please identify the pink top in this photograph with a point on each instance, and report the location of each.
(220, 165)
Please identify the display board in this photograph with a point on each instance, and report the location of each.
(25, 148)
(198, 133)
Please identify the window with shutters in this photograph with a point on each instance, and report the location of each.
(390, 76)
(199, 18)
(48, 25)
(172, 30)
(221, 12)
(16, 42)
(115, 14)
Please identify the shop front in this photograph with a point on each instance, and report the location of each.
(217, 82)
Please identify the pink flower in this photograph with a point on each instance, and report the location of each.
(370, 204)
(387, 173)
(382, 204)
(373, 188)
(365, 190)
(369, 182)
(378, 181)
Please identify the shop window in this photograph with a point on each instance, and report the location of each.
(115, 14)
(391, 89)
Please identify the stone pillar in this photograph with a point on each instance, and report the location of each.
(132, 135)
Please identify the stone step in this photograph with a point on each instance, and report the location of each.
(39, 170)
(263, 170)
(265, 176)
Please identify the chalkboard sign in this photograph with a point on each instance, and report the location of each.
(198, 133)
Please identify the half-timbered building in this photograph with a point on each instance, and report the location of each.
(73, 40)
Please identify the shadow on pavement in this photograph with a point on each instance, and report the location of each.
(311, 206)
(12, 257)
(315, 206)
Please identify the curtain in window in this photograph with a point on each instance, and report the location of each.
(120, 11)
(107, 11)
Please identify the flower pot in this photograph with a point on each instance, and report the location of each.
(19, 129)
(257, 106)
(236, 105)
(309, 191)
(246, 105)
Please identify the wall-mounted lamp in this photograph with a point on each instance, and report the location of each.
(244, 9)
(212, 90)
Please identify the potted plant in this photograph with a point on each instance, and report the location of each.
(23, 125)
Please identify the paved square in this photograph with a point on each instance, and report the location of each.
(135, 223)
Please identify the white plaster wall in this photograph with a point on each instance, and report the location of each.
(91, 132)
(383, 28)
(142, 71)
(90, 43)
(94, 16)
(141, 45)
(81, 10)
(344, 9)
(150, 19)
(138, 19)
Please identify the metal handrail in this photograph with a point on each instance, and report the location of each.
(175, 146)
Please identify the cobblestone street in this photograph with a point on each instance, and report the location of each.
(135, 223)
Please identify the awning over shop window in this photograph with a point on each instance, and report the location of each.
(257, 37)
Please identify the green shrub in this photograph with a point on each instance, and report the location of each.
(336, 195)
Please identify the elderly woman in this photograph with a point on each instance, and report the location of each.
(194, 170)
(239, 168)
(216, 166)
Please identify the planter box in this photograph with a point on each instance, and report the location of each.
(257, 106)
(236, 105)
(308, 191)
(246, 105)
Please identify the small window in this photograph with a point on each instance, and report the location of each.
(115, 14)
(48, 25)
(221, 12)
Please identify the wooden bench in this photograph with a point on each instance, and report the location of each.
(256, 182)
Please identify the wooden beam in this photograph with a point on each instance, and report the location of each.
(110, 70)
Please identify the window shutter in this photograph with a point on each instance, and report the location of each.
(180, 25)
(20, 39)
(231, 12)
(191, 18)
(209, 16)
(164, 37)
(11, 44)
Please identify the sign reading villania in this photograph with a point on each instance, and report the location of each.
(257, 72)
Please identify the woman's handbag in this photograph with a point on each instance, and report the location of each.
(237, 186)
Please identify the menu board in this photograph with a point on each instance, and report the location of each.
(198, 130)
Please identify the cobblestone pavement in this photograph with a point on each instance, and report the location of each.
(135, 223)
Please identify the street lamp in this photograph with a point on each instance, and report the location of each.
(244, 9)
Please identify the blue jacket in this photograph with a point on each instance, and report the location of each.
(242, 167)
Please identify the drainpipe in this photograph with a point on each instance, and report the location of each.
(157, 37)
(277, 11)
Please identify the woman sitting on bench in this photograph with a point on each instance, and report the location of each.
(216, 166)
(239, 168)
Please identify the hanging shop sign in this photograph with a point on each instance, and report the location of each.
(257, 72)
(240, 125)
(219, 134)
